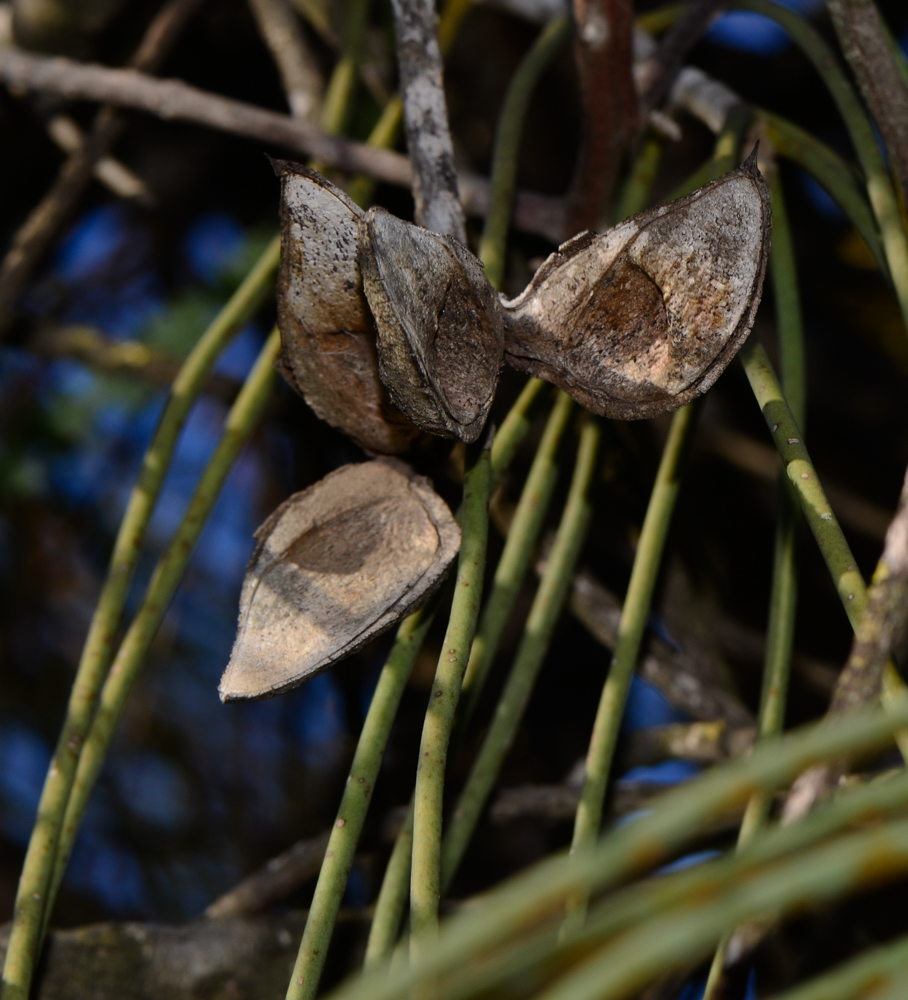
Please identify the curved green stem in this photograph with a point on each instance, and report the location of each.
(493, 248)
(339, 93)
(370, 749)
(879, 184)
(515, 558)
(30, 912)
(428, 799)
(803, 477)
(784, 593)
(832, 173)
(631, 628)
(241, 421)
(534, 645)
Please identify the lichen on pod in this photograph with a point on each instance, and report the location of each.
(328, 345)
(641, 319)
(440, 324)
(335, 566)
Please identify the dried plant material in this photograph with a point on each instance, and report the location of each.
(327, 333)
(335, 566)
(440, 326)
(640, 320)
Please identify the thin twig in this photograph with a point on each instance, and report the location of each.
(602, 52)
(44, 223)
(274, 881)
(426, 118)
(671, 53)
(32, 907)
(282, 33)
(173, 100)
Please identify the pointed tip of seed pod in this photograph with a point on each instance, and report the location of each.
(750, 164)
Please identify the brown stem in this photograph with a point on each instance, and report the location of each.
(604, 59)
(283, 34)
(863, 40)
(44, 223)
(426, 118)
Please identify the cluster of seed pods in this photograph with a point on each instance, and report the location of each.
(393, 333)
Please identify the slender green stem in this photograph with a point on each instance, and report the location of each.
(534, 645)
(607, 724)
(395, 887)
(879, 184)
(535, 897)
(30, 912)
(870, 971)
(631, 628)
(784, 593)
(332, 878)
(523, 534)
(528, 519)
(242, 419)
(832, 173)
(433, 750)
(637, 188)
(803, 477)
(493, 248)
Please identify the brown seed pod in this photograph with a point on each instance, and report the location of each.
(640, 320)
(440, 327)
(327, 335)
(336, 565)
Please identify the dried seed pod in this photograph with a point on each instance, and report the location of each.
(440, 327)
(327, 333)
(335, 566)
(640, 320)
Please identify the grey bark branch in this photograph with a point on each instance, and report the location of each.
(863, 40)
(283, 34)
(177, 101)
(426, 118)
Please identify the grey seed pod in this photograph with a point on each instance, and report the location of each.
(440, 326)
(329, 354)
(335, 566)
(643, 318)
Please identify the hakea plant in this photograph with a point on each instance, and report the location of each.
(396, 334)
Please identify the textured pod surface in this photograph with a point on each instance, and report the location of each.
(440, 324)
(327, 333)
(336, 565)
(643, 318)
